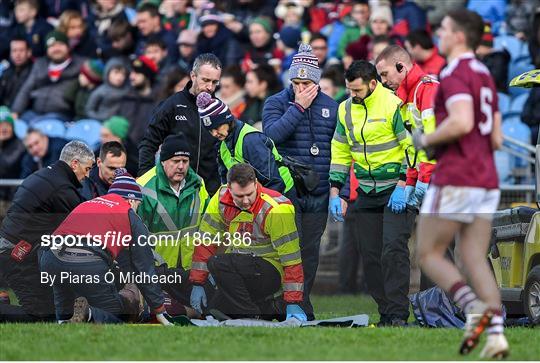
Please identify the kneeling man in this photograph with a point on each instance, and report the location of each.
(256, 225)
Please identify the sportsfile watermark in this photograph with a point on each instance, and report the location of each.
(169, 239)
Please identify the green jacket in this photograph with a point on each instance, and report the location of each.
(162, 211)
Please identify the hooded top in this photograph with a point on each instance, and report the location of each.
(104, 102)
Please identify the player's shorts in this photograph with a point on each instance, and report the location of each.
(461, 204)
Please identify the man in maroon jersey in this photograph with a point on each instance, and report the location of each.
(464, 188)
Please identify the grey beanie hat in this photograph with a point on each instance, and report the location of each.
(305, 65)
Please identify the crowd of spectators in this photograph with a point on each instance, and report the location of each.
(115, 61)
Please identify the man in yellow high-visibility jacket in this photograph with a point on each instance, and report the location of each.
(257, 226)
(370, 132)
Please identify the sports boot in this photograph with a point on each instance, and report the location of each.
(476, 324)
(496, 347)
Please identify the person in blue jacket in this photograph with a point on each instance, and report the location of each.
(242, 143)
(301, 121)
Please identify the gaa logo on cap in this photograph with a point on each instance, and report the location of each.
(131, 195)
(302, 73)
(206, 121)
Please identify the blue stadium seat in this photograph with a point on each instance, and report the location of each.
(514, 128)
(51, 127)
(86, 131)
(518, 49)
(502, 163)
(516, 106)
(493, 10)
(20, 128)
(504, 103)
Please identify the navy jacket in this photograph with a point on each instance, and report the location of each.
(29, 165)
(93, 186)
(36, 35)
(257, 152)
(294, 132)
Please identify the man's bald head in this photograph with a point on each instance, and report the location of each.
(393, 65)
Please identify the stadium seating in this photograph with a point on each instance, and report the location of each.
(504, 103)
(516, 106)
(518, 49)
(51, 127)
(85, 130)
(20, 128)
(514, 128)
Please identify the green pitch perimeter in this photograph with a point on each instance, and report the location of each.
(93, 342)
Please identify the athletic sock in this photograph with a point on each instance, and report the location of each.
(496, 325)
(466, 299)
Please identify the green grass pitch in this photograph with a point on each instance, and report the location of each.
(100, 342)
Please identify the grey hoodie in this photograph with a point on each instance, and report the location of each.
(104, 102)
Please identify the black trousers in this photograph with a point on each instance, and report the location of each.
(383, 237)
(349, 262)
(24, 278)
(245, 286)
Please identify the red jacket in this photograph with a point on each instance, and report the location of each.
(419, 90)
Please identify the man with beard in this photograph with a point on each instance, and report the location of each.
(179, 114)
(43, 92)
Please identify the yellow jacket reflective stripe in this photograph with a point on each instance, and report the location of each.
(375, 137)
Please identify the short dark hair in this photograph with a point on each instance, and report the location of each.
(156, 40)
(335, 75)
(317, 36)
(242, 174)
(361, 69)
(235, 72)
(377, 39)
(266, 73)
(470, 23)
(420, 37)
(149, 8)
(20, 38)
(119, 29)
(112, 147)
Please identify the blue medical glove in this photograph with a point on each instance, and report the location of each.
(295, 311)
(397, 200)
(198, 298)
(410, 197)
(420, 191)
(334, 207)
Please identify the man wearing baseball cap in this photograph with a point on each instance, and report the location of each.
(113, 214)
(60, 69)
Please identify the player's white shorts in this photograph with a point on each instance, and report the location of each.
(461, 204)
